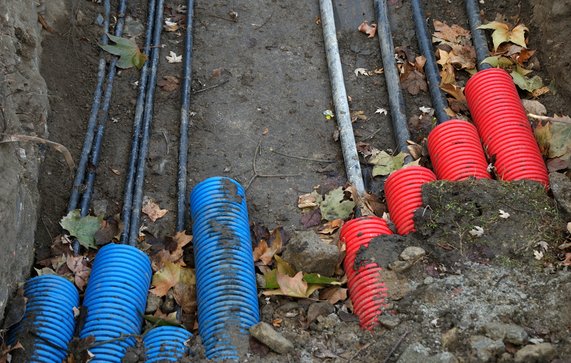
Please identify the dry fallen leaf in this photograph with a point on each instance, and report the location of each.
(152, 209)
(309, 200)
(502, 33)
(264, 252)
(333, 294)
(477, 231)
(80, 270)
(370, 30)
(173, 58)
(331, 226)
(170, 26)
(169, 83)
(444, 33)
(170, 275)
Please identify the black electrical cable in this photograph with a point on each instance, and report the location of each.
(396, 100)
(92, 121)
(439, 102)
(139, 109)
(103, 116)
(184, 116)
(478, 37)
(147, 121)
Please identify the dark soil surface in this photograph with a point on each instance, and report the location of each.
(266, 86)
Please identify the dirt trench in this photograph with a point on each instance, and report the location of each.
(270, 87)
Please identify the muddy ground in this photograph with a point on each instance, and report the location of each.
(271, 87)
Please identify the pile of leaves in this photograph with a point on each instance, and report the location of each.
(511, 53)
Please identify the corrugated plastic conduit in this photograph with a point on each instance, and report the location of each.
(454, 146)
(223, 257)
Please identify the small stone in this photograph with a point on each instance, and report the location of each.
(417, 352)
(400, 266)
(274, 340)
(412, 253)
(449, 338)
(561, 188)
(153, 303)
(428, 280)
(306, 252)
(505, 358)
(318, 309)
(543, 352)
(486, 349)
(510, 333)
(389, 321)
(327, 322)
(169, 305)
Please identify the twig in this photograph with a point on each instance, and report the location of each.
(303, 158)
(373, 134)
(265, 21)
(359, 351)
(166, 140)
(59, 147)
(395, 347)
(210, 87)
(255, 170)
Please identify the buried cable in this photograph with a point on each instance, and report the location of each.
(478, 37)
(396, 100)
(343, 115)
(184, 122)
(103, 117)
(147, 122)
(92, 121)
(439, 102)
(139, 108)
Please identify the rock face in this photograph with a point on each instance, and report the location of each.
(24, 105)
(561, 188)
(308, 253)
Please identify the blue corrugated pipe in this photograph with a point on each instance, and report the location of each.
(223, 257)
(115, 300)
(166, 344)
(49, 319)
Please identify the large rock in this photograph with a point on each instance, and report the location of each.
(308, 253)
(24, 105)
(417, 352)
(537, 353)
(510, 333)
(485, 349)
(561, 188)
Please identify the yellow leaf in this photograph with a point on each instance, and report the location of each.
(502, 33)
(167, 277)
(292, 286)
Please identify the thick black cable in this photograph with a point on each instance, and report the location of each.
(137, 121)
(103, 116)
(478, 37)
(147, 122)
(396, 100)
(184, 116)
(439, 102)
(92, 121)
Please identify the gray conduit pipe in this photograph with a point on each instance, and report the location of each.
(348, 146)
(396, 100)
